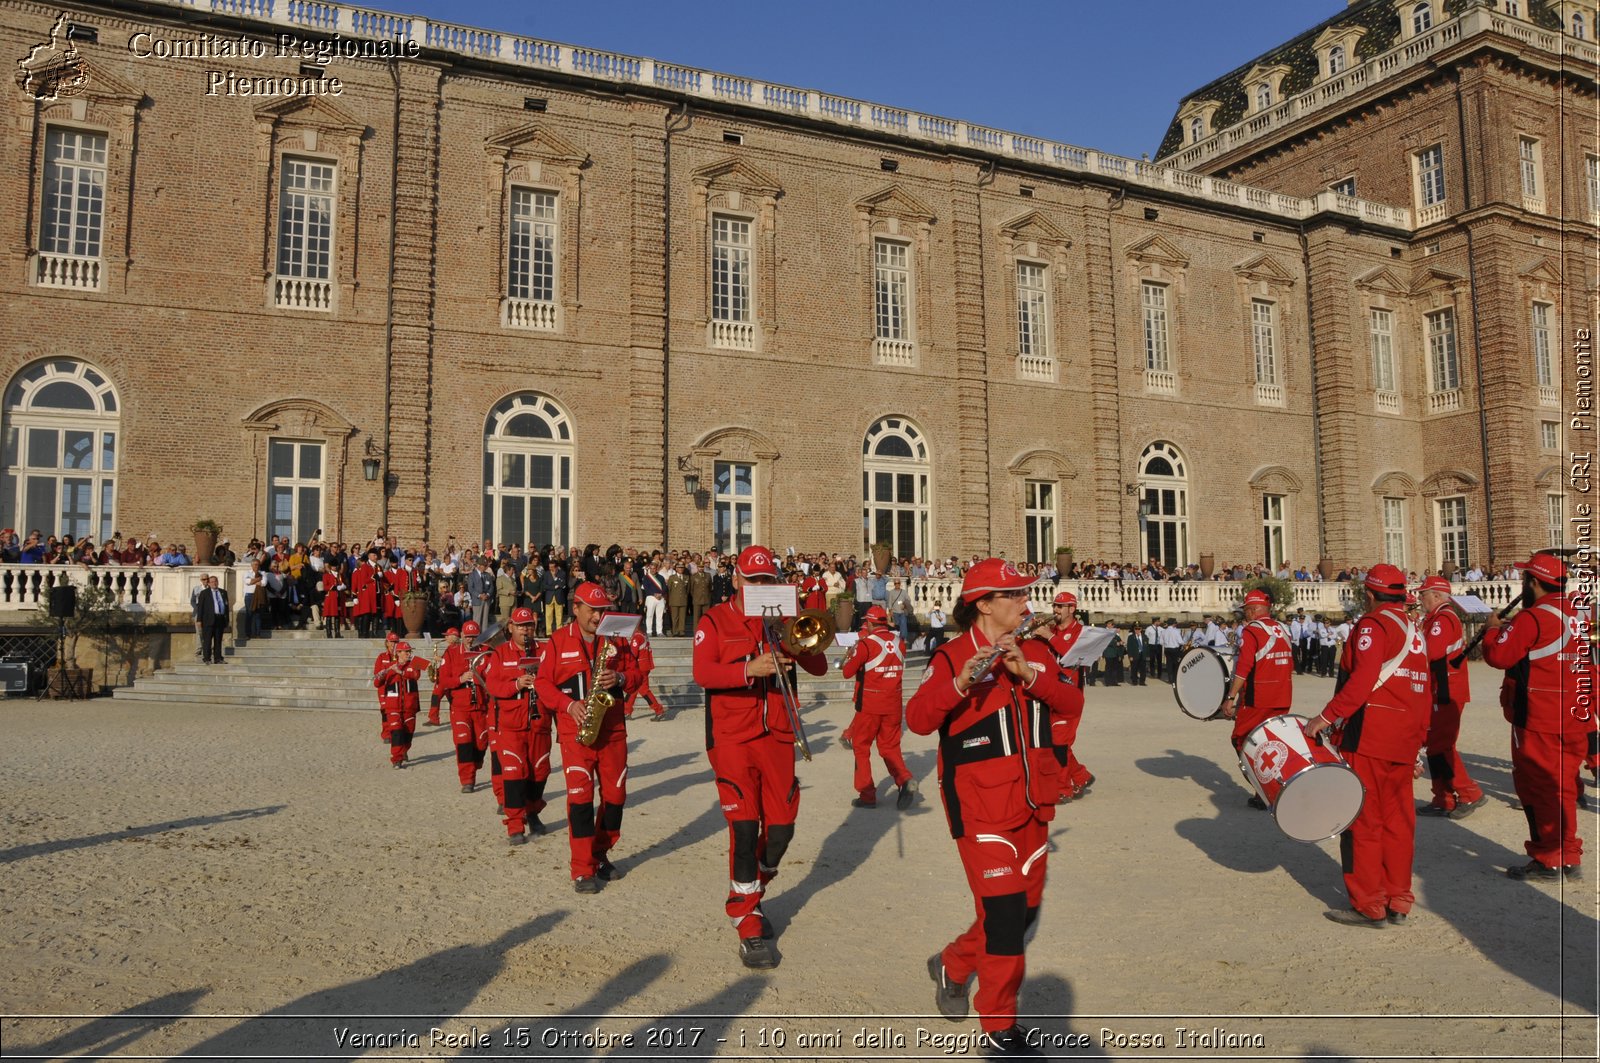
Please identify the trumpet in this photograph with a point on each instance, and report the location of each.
(807, 632)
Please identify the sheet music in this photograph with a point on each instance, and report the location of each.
(759, 597)
(1471, 603)
(618, 625)
(1088, 648)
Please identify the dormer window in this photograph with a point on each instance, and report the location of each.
(1336, 60)
(1514, 8)
(1195, 118)
(1263, 87)
(1579, 29)
(1263, 97)
(1421, 18)
(1336, 49)
(1197, 130)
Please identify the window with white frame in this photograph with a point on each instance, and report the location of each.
(1039, 519)
(1346, 187)
(62, 433)
(1554, 520)
(734, 506)
(1422, 17)
(1264, 341)
(1336, 59)
(1444, 369)
(1164, 488)
(305, 219)
(1580, 28)
(527, 471)
(1380, 336)
(1514, 8)
(1549, 435)
(74, 200)
(891, 290)
(1394, 531)
(1197, 130)
(1591, 180)
(1528, 159)
(1263, 96)
(1452, 514)
(895, 479)
(294, 488)
(1153, 303)
(730, 275)
(1274, 525)
(1430, 176)
(1543, 367)
(1033, 328)
(531, 272)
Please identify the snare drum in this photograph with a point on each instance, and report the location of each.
(1313, 793)
(1202, 683)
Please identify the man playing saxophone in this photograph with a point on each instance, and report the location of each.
(582, 681)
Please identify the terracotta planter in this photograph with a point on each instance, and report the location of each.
(414, 611)
(844, 614)
(1208, 565)
(1325, 567)
(1448, 571)
(880, 558)
(205, 547)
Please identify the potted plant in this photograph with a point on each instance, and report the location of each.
(881, 553)
(414, 611)
(844, 611)
(1325, 568)
(1208, 565)
(206, 533)
(1063, 561)
(1281, 591)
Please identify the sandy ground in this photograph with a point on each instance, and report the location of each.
(232, 884)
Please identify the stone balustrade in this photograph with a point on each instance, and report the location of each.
(150, 589)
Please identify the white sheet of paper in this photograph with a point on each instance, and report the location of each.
(1088, 648)
(618, 625)
(1471, 603)
(845, 639)
(759, 597)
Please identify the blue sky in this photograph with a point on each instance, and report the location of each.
(1103, 75)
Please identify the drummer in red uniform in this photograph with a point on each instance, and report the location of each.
(1548, 698)
(1000, 782)
(1383, 706)
(878, 665)
(1454, 793)
(1263, 677)
(1075, 778)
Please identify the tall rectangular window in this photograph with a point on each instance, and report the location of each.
(730, 269)
(74, 193)
(1554, 520)
(1153, 302)
(734, 506)
(1394, 532)
(1444, 369)
(1549, 435)
(1273, 529)
(294, 489)
(1528, 161)
(1039, 519)
(1591, 180)
(1430, 175)
(1453, 531)
(891, 290)
(1264, 340)
(1380, 335)
(305, 219)
(532, 270)
(1543, 368)
(1033, 335)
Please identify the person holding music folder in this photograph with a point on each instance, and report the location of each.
(1382, 704)
(1263, 676)
(1548, 697)
(878, 663)
(381, 666)
(468, 706)
(1065, 629)
(750, 743)
(988, 696)
(397, 692)
(574, 657)
(520, 739)
(1454, 793)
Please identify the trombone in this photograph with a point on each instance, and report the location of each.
(809, 631)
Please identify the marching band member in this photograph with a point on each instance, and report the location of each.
(1454, 793)
(878, 664)
(750, 743)
(364, 585)
(1548, 698)
(379, 667)
(567, 664)
(469, 729)
(393, 583)
(397, 690)
(521, 732)
(1263, 675)
(646, 658)
(1383, 705)
(999, 781)
(1065, 630)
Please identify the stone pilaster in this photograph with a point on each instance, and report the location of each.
(972, 532)
(646, 377)
(1109, 506)
(1343, 500)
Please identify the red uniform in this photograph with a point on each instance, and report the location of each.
(1064, 728)
(521, 737)
(1266, 660)
(396, 581)
(1383, 703)
(469, 712)
(364, 585)
(750, 743)
(379, 666)
(397, 693)
(333, 589)
(1548, 697)
(878, 665)
(565, 665)
(645, 658)
(1451, 783)
(1000, 782)
(813, 593)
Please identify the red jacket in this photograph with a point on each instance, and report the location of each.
(394, 682)
(1442, 629)
(1386, 719)
(814, 593)
(510, 709)
(332, 593)
(1266, 660)
(997, 768)
(565, 665)
(363, 584)
(454, 665)
(642, 653)
(741, 709)
(1549, 684)
(396, 582)
(878, 665)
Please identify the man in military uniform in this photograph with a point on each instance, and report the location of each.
(678, 601)
(699, 594)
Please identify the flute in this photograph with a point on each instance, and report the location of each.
(980, 665)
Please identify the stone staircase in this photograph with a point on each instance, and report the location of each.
(304, 670)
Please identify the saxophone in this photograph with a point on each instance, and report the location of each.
(599, 701)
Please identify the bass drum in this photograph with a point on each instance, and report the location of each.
(1201, 683)
(1312, 792)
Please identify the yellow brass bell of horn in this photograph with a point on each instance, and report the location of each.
(809, 631)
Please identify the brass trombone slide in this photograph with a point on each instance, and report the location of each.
(809, 631)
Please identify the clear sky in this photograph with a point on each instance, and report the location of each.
(1104, 74)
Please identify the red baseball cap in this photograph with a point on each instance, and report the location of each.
(391, 637)
(521, 615)
(1067, 598)
(755, 562)
(451, 631)
(402, 647)
(1546, 567)
(1435, 583)
(470, 628)
(877, 613)
(593, 595)
(990, 575)
(1386, 579)
(1258, 597)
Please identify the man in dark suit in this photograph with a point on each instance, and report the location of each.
(211, 610)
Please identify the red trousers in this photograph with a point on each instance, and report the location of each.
(593, 831)
(1063, 734)
(469, 731)
(649, 696)
(1451, 783)
(760, 799)
(1005, 872)
(1544, 769)
(524, 759)
(870, 727)
(399, 721)
(1376, 851)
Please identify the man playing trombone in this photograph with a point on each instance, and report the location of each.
(750, 739)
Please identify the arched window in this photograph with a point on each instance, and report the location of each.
(1336, 61)
(1263, 96)
(1422, 17)
(1164, 509)
(1197, 130)
(527, 471)
(1580, 29)
(61, 441)
(895, 487)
